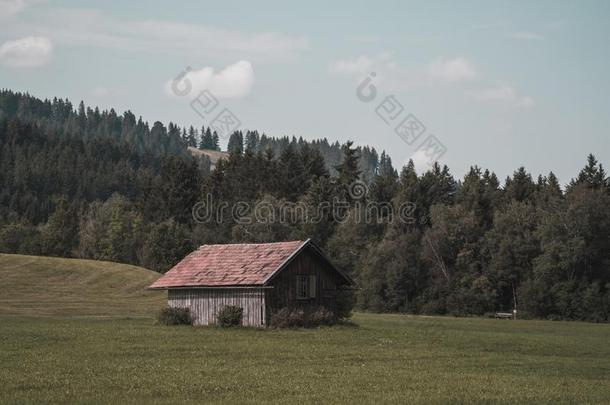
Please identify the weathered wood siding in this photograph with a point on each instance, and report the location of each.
(205, 303)
(284, 294)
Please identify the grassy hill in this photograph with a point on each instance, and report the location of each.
(214, 155)
(48, 286)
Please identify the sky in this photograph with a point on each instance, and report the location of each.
(496, 84)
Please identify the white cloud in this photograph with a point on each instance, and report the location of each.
(502, 93)
(452, 70)
(526, 36)
(93, 28)
(363, 65)
(393, 77)
(421, 161)
(100, 92)
(234, 81)
(360, 65)
(26, 52)
(388, 74)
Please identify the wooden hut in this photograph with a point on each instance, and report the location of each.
(261, 278)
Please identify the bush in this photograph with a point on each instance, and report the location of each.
(282, 318)
(298, 318)
(230, 315)
(322, 316)
(175, 316)
(345, 303)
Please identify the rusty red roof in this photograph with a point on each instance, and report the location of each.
(229, 265)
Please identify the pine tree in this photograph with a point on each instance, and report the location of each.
(520, 187)
(592, 175)
(348, 170)
(82, 116)
(385, 181)
(479, 193)
(191, 139)
(207, 140)
(292, 175)
(236, 143)
(313, 162)
(252, 140)
(409, 195)
(548, 191)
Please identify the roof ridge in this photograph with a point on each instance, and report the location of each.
(255, 244)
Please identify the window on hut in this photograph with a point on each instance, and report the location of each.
(306, 286)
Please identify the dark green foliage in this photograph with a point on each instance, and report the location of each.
(229, 315)
(20, 238)
(348, 171)
(592, 175)
(181, 187)
(236, 143)
(165, 245)
(346, 299)
(59, 235)
(520, 187)
(384, 184)
(252, 139)
(209, 140)
(174, 316)
(490, 249)
(112, 230)
(191, 138)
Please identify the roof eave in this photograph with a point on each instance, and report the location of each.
(290, 258)
(191, 287)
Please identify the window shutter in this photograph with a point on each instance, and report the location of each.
(312, 286)
(300, 292)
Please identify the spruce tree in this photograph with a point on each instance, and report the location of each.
(236, 143)
(215, 142)
(385, 181)
(251, 141)
(207, 141)
(191, 139)
(292, 175)
(348, 171)
(592, 175)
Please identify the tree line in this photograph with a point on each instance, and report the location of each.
(90, 184)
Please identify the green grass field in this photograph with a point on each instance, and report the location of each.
(124, 357)
(48, 286)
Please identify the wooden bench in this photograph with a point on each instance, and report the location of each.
(503, 315)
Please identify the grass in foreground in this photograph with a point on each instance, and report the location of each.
(386, 359)
(50, 286)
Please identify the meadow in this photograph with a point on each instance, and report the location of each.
(108, 352)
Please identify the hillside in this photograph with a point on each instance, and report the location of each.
(46, 286)
(213, 155)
